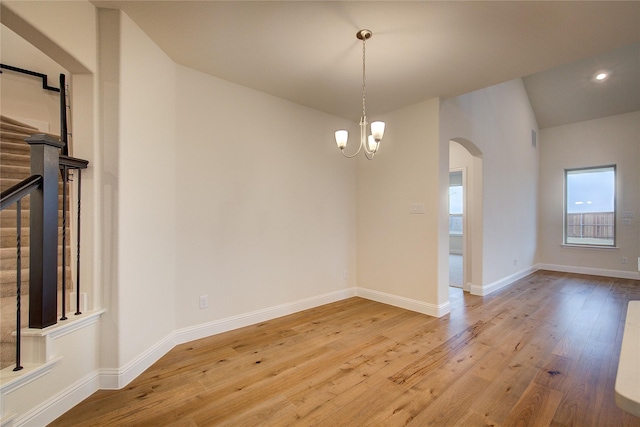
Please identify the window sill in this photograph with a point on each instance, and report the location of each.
(569, 245)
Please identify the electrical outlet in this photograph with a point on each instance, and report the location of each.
(204, 301)
(345, 275)
(624, 260)
(515, 262)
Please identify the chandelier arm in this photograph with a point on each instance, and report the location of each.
(354, 154)
(366, 154)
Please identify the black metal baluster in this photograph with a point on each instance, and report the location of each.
(78, 245)
(65, 179)
(19, 282)
(63, 116)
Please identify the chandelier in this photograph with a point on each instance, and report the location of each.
(372, 142)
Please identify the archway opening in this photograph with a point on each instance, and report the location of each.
(465, 216)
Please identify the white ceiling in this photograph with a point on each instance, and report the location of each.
(307, 52)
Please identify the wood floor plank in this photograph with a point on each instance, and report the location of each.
(581, 403)
(542, 351)
(523, 366)
(536, 407)
(452, 405)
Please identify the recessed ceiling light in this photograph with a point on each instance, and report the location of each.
(601, 76)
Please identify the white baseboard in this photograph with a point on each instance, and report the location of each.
(230, 323)
(492, 287)
(116, 378)
(590, 271)
(406, 303)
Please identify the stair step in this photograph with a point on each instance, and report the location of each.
(14, 137)
(15, 128)
(23, 130)
(6, 183)
(7, 305)
(8, 236)
(8, 282)
(15, 159)
(15, 147)
(8, 257)
(26, 203)
(21, 148)
(9, 120)
(17, 172)
(8, 217)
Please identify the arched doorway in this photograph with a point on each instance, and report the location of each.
(465, 214)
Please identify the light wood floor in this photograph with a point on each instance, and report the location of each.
(541, 352)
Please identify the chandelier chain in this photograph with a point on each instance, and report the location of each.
(364, 77)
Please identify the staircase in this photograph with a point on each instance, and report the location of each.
(14, 167)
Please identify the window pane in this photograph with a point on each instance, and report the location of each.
(455, 209)
(590, 206)
(455, 199)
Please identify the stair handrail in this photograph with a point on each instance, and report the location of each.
(19, 191)
(64, 133)
(44, 77)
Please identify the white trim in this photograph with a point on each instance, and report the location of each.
(116, 378)
(8, 420)
(234, 322)
(485, 290)
(61, 402)
(406, 303)
(12, 381)
(591, 271)
(575, 245)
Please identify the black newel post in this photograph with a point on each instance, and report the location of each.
(43, 259)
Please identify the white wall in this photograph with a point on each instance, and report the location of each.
(265, 202)
(398, 260)
(606, 141)
(23, 96)
(138, 109)
(498, 121)
(64, 30)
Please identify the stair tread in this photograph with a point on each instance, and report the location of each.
(9, 120)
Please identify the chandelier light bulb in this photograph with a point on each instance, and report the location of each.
(377, 130)
(341, 138)
(372, 144)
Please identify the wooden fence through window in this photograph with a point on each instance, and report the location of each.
(597, 225)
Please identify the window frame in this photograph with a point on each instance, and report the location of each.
(565, 233)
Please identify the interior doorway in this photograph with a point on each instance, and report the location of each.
(465, 216)
(457, 177)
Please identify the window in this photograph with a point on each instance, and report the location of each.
(455, 209)
(590, 206)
